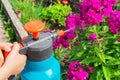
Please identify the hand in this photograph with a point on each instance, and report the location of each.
(14, 63)
(6, 47)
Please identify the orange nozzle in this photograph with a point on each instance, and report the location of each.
(34, 27)
(60, 33)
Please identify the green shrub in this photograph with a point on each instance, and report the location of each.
(55, 13)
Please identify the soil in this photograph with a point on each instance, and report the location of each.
(73, 3)
(56, 26)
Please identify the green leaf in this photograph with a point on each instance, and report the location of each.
(107, 72)
(113, 62)
(116, 73)
(109, 57)
(96, 73)
(101, 56)
(78, 55)
(90, 60)
(105, 29)
(99, 75)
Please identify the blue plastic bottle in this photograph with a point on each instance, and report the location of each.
(48, 69)
(41, 63)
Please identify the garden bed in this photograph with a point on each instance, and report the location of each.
(94, 52)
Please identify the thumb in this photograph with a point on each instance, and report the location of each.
(5, 46)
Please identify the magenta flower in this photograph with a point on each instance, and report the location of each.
(96, 5)
(71, 35)
(73, 21)
(106, 11)
(57, 43)
(114, 22)
(54, 45)
(119, 39)
(75, 44)
(106, 3)
(64, 40)
(76, 72)
(90, 68)
(92, 37)
(80, 74)
(73, 65)
(90, 12)
(107, 7)
(70, 22)
(64, 43)
(114, 1)
(92, 18)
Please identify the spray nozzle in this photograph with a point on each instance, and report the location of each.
(34, 27)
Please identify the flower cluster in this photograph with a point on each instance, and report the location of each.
(76, 72)
(107, 7)
(114, 22)
(92, 37)
(73, 21)
(89, 15)
(63, 40)
(90, 12)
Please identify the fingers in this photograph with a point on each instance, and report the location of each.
(5, 46)
(15, 48)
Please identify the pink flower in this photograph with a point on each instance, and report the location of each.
(76, 72)
(71, 35)
(114, 22)
(64, 43)
(106, 11)
(119, 39)
(92, 37)
(70, 22)
(90, 68)
(75, 43)
(73, 21)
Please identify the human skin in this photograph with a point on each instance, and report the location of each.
(14, 62)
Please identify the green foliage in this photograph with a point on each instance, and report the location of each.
(104, 58)
(56, 13)
(107, 72)
(7, 26)
(9, 31)
(27, 8)
(117, 6)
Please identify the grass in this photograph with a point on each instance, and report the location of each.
(27, 9)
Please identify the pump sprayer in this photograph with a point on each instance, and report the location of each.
(41, 63)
